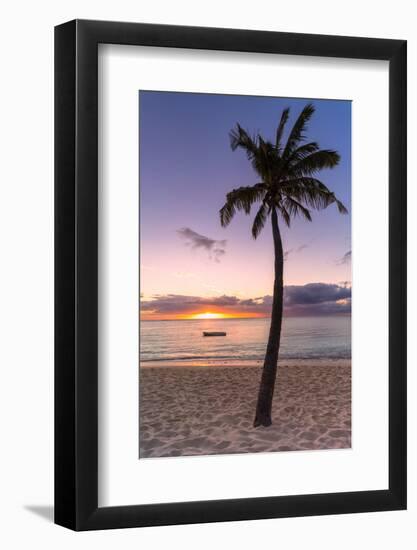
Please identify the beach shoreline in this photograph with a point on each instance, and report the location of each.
(239, 363)
(191, 410)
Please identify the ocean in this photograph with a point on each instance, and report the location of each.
(182, 342)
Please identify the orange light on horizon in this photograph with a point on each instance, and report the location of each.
(202, 315)
(208, 315)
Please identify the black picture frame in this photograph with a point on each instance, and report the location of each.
(76, 272)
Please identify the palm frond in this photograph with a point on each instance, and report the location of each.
(302, 181)
(297, 132)
(284, 214)
(241, 199)
(260, 219)
(260, 153)
(341, 207)
(281, 126)
(314, 162)
(267, 160)
(294, 208)
(312, 192)
(240, 138)
(286, 174)
(303, 151)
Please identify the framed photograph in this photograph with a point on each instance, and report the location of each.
(230, 247)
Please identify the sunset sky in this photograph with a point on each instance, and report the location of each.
(189, 265)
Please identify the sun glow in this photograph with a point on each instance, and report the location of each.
(152, 316)
(208, 315)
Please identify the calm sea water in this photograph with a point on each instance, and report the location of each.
(182, 342)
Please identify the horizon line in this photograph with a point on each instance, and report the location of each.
(252, 318)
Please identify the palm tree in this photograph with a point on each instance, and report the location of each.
(287, 188)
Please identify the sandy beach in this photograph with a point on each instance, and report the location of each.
(202, 410)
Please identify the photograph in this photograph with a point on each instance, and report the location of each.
(209, 258)
(245, 274)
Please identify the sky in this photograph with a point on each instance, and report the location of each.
(191, 267)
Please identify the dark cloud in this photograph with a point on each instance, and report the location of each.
(215, 248)
(311, 299)
(345, 259)
(315, 293)
(317, 299)
(167, 303)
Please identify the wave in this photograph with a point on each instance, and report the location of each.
(332, 356)
(310, 339)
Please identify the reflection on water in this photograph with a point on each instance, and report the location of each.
(302, 338)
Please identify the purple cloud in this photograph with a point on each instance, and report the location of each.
(303, 300)
(215, 248)
(315, 293)
(296, 249)
(345, 259)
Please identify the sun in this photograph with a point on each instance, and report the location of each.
(208, 315)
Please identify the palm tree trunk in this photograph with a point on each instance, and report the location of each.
(269, 372)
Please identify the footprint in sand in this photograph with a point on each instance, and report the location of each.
(339, 433)
(311, 436)
(150, 443)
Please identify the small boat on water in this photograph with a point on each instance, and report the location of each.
(206, 333)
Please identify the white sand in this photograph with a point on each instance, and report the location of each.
(210, 410)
